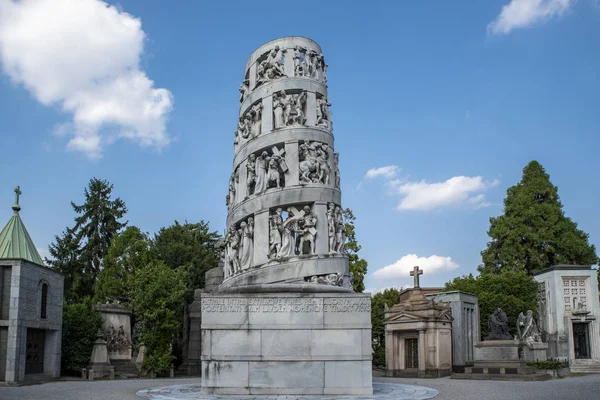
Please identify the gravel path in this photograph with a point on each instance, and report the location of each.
(585, 387)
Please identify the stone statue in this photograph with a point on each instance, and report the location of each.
(247, 243)
(527, 329)
(340, 230)
(331, 226)
(275, 230)
(234, 245)
(278, 106)
(299, 53)
(244, 89)
(323, 113)
(232, 182)
(256, 116)
(227, 266)
(336, 169)
(296, 116)
(322, 155)
(289, 229)
(309, 231)
(261, 183)
(273, 173)
(250, 174)
(116, 340)
(498, 325)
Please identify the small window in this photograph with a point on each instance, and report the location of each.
(44, 300)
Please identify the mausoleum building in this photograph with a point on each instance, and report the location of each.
(31, 307)
(569, 312)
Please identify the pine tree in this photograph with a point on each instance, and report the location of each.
(358, 266)
(96, 224)
(65, 254)
(533, 233)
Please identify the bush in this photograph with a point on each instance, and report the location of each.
(81, 324)
(550, 364)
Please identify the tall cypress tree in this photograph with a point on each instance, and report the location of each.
(97, 222)
(533, 233)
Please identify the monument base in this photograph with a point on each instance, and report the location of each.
(294, 342)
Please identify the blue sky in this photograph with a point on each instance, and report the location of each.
(443, 102)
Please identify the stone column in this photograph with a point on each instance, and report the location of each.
(288, 62)
(322, 241)
(242, 190)
(311, 109)
(422, 351)
(292, 177)
(261, 237)
(252, 77)
(267, 115)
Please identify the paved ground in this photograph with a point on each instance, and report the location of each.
(576, 388)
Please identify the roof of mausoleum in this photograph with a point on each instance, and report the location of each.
(15, 242)
(563, 267)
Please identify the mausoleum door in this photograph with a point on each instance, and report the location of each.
(3, 350)
(411, 353)
(581, 340)
(34, 355)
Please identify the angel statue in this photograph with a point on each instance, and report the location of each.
(527, 329)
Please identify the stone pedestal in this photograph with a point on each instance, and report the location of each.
(99, 362)
(116, 324)
(534, 351)
(286, 343)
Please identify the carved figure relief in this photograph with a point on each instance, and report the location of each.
(323, 114)
(269, 170)
(336, 279)
(336, 169)
(233, 181)
(244, 89)
(310, 64)
(271, 68)
(340, 231)
(116, 340)
(289, 109)
(232, 255)
(296, 235)
(314, 163)
(249, 125)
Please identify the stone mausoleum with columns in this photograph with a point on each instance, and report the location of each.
(285, 319)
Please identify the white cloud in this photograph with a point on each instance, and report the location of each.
(401, 268)
(427, 196)
(522, 13)
(456, 190)
(85, 56)
(389, 172)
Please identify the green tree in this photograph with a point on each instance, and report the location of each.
(533, 233)
(379, 300)
(358, 266)
(158, 298)
(190, 246)
(129, 251)
(80, 326)
(65, 253)
(98, 220)
(513, 291)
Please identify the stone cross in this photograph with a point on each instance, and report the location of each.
(416, 272)
(17, 194)
(280, 153)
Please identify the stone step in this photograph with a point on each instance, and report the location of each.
(538, 376)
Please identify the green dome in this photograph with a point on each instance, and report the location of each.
(15, 241)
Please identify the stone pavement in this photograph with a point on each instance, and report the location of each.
(585, 387)
(381, 391)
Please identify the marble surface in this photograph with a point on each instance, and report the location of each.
(381, 391)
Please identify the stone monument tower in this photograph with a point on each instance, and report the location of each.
(285, 320)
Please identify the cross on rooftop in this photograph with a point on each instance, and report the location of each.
(416, 272)
(18, 192)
